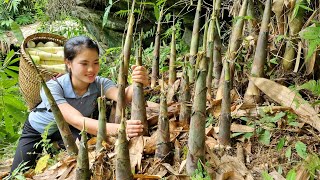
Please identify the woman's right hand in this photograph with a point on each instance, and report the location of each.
(134, 128)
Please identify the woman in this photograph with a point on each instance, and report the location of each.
(75, 94)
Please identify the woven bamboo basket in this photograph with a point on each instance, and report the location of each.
(28, 80)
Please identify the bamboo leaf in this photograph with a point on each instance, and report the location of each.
(42, 164)
(310, 33)
(301, 149)
(313, 45)
(291, 175)
(266, 176)
(289, 98)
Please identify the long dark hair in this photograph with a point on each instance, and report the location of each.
(74, 45)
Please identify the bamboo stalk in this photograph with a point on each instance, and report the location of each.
(173, 57)
(217, 58)
(163, 139)
(295, 25)
(63, 126)
(252, 94)
(128, 41)
(138, 102)
(156, 52)
(252, 23)
(225, 122)
(102, 134)
(123, 169)
(194, 41)
(277, 8)
(198, 119)
(120, 108)
(185, 97)
(234, 45)
(209, 51)
(83, 171)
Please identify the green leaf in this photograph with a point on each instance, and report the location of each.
(281, 143)
(266, 176)
(291, 175)
(265, 137)
(14, 60)
(306, 7)
(8, 58)
(313, 45)
(288, 153)
(15, 68)
(301, 149)
(106, 15)
(274, 61)
(17, 32)
(156, 12)
(11, 73)
(277, 117)
(310, 33)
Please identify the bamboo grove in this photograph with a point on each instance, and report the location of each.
(278, 30)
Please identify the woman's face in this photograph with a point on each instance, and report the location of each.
(84, 67)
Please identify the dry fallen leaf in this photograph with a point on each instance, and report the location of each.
(289, 98)
(136, 146)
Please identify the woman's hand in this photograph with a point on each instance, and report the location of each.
(140, 75)
(134, 128)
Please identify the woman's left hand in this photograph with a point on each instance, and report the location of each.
(140, 75)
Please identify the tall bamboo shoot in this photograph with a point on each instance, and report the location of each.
(83, 172)
(156, 52)
(138, 101)
(123, 169)
(121, 94)
(163, 142)
(252, 94)
(225, 122)
(102, 134)
(194, 41)
(172, 66)
(198, 119)
(185, 97)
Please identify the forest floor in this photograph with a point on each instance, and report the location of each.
(268, 141)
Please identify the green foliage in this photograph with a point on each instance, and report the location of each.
(291, 175)
(312, 163)
(288, 153)
(12, 108)
(46, 143)
(106, 13)
(281, 143)
(17, 174)
(311, 35)
(266, 176)
(301, 149)
(300, 4)
(200, 173)
(210, 120)
(312, 85)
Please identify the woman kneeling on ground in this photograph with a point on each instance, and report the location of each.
(76, 94)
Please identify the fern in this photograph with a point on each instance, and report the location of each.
(123, 13)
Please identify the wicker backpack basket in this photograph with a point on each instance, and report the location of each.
(28, 80)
